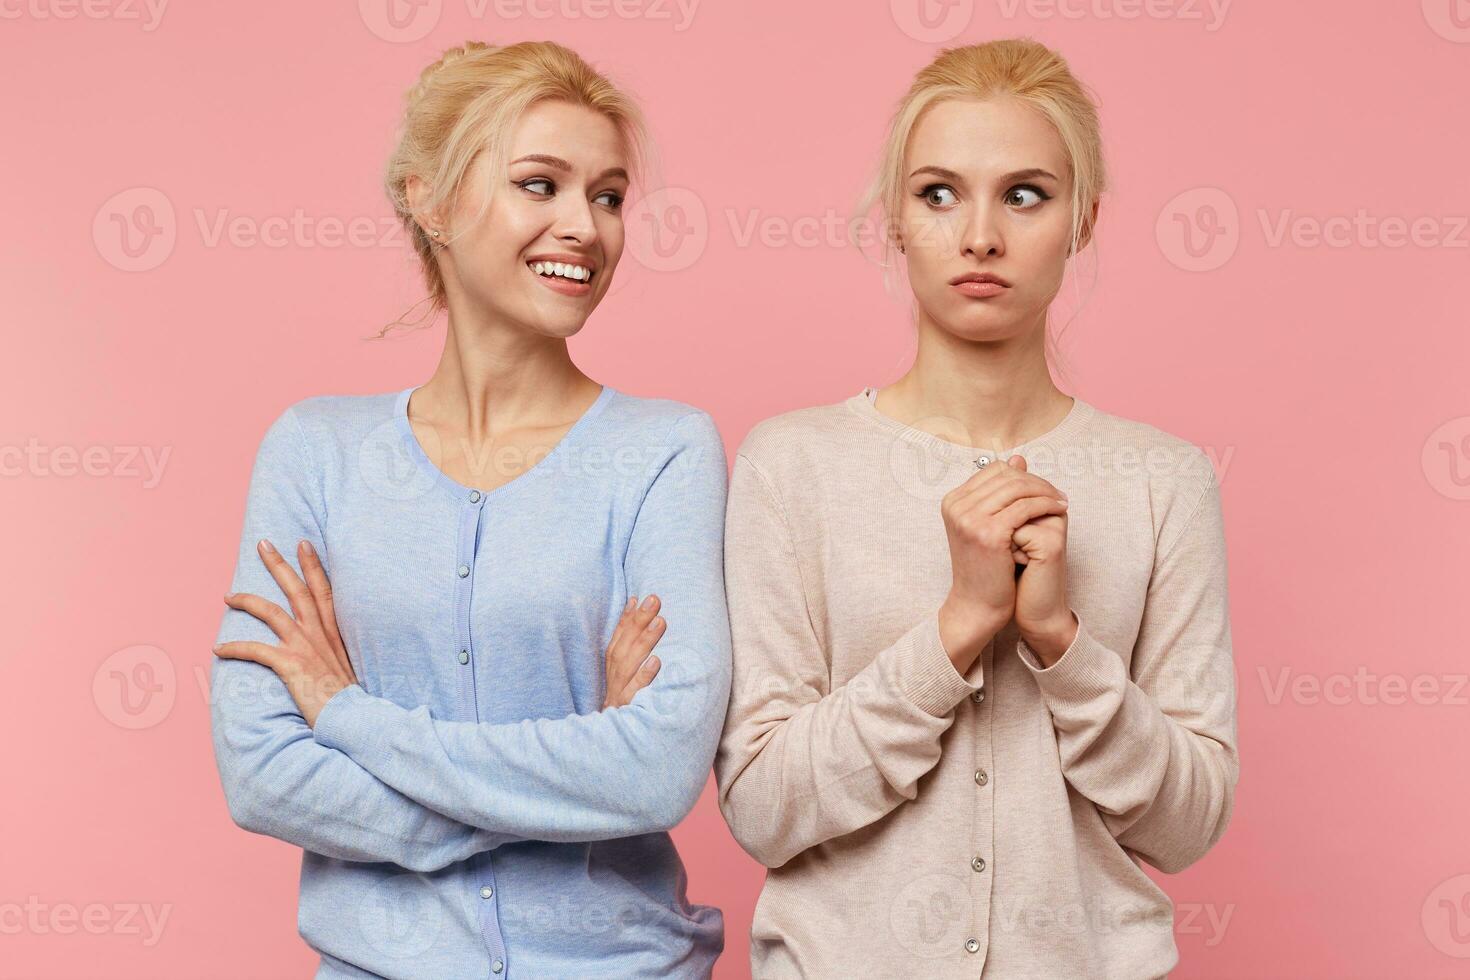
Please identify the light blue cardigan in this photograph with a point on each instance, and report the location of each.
(468, 811)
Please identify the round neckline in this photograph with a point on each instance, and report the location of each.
(463, 492)
(863, 404)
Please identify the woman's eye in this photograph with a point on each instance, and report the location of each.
(610, 199)
(539, 185)
(1027, 197)
(939, 196)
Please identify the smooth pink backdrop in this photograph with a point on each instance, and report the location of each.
(1282, 280)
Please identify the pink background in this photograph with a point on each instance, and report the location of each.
(1325, 370)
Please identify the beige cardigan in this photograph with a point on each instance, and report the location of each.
(920, 822)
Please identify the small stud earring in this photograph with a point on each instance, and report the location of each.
(435, 233)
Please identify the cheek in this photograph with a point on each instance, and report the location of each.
(489, 262)
(923, 233)
(940, 236)
(915, 227)
(1053, 232)
(930, 253)
(1046, 255)
(495, 245)
(512, 224)
(612, 234)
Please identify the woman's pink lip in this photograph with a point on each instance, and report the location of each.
(564, 286)
(980, 290)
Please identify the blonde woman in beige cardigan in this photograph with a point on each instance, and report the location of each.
(982, 654)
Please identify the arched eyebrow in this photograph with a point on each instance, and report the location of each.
(562, 165)
(944, 173)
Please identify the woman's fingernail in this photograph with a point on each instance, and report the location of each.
(648, 603)
(629, 604)
(229, 596)
(657, 623)
(1062, 501)
(216, 647)
(307, 545)
(266, 545)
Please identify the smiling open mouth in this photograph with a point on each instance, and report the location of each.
(561, 270)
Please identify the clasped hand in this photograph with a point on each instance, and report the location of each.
(1002, 517)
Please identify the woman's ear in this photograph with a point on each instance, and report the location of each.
(1087, 227)
(432, 222)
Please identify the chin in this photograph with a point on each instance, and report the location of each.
(559, 327)
(978, 325)
(545, 319)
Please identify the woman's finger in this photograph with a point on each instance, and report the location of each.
(630, 645)
(622, 626)
(267, 612)
(1003, 491)
(1017, 514)
(974, 482)
(291, 585)
(642, 677)
(262, 653)
(634, 654)
(612, 659)
(321, 593)
(645, 640)
(1046, 530)
(624, 661)
(637, 621)
(645, 611)
(980, 483)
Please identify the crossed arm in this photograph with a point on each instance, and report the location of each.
(373, 781)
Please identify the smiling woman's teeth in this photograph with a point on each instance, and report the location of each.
(576, 273)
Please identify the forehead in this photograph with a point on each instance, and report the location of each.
(975, 136)
(584, 137)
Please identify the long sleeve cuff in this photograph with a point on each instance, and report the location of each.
(345, 721)
(1087, 670)
(927, 676)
